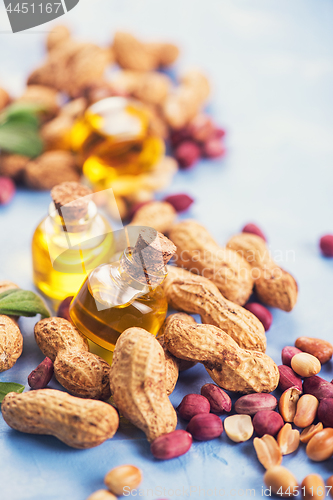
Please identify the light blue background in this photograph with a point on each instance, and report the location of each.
(271, 64)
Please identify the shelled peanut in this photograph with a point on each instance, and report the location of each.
(41, 376)
(268, 451)
(82, 373)
(321, 349)
(122, 479)
(238, 428)
(288, 439)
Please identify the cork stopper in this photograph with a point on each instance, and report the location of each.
(149, 256)
(70, 201)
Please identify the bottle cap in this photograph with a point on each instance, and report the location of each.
(149, 256)
(71, 202)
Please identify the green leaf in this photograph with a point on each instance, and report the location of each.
(20, 108)
(8, 292)
(20, 138)
(24, 118)
(19, 124)
(6, 387)
(19, 302)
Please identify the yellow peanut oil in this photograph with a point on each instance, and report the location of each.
(62, 260)
(113, 140)
(110, 301)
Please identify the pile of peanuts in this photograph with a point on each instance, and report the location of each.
(307, 404)
(73, 77)
(145, 369)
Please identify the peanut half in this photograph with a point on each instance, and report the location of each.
(268, 451)
(238, 428)
(81, 372)
(288, 439)
(121, 480)
(306, 410)
(138, 383)
(274, 286)
(288, 403)
(78, 423)
(199, 252)
(310, 431)
(195, 294)
(231, 367)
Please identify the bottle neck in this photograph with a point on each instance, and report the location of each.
(65, 222)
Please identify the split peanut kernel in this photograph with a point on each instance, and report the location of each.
(313, 487)
(306, 410)
(268, 451)
(305, 364)
(288, 403)
(310, 431)
(123, 479)
(238, 428)
(281, 481)
(288, 439)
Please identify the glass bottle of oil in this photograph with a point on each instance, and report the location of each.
(125, 293)
(71, 241)
(114, 140)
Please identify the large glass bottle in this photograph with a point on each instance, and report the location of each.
(71, 241)
(125, 293)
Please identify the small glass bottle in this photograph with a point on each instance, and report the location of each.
(72, 240)
(125, 293)
(114, 141)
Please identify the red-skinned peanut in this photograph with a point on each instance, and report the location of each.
(171, 445)
(267, 422)
(288, 353)
(192, 404)
(263, 314)
(219, 400)
(288, 378)
(253, 229)
(205, 426)
(318, 387)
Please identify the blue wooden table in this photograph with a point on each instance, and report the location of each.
(271, 63)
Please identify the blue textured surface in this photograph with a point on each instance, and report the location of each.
(271, 63)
